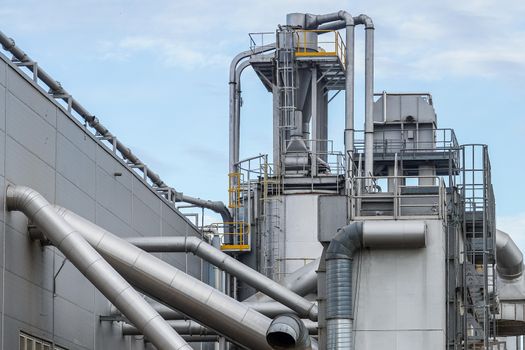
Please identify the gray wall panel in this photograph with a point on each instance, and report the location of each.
(46, 149)
(28, 259)
(2, 154)
(25, 168)
(2, 106)
(31, 96)
(113, 195)
(71, 197)
(76, 134)
(79, 293)
(28, 129)
(76, 166)
(27, 302)
(145, 220)
(73, 323)
(111, 166)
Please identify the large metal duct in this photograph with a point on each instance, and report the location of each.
(313, 22)
(234, 117)
(185, 293)
(288, 332)
(339, 260)
(302, 281)
(509, 258)
(216, 206)
(303, 307)
(91, 264)
(369, 93)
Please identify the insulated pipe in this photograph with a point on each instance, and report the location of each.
(91, 264)
(270, 309)
(302, 281)
(183, 327)
(288, 332)
(216, 206)
(369, 93)
(339, 257)
(313, 22)
(225, 262)
(237, 137)
(233, 143)
(185, 293)
(509, 258)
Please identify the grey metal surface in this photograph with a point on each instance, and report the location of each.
(93, 266)
(339, 267)
(47, 149)
(509, 257)
(225, 262)
(185, 293)
(289, 332)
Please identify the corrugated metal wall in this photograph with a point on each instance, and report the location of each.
(44, 148)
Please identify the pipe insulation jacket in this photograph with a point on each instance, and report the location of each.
(339, 263)
(509, 258)
(195, 245)
(184, 293)
(91, 264)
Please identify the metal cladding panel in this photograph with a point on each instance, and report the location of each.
(72, 197)
(79, 293)
(402, 340)
(25, 126)
(46, 149)
(76, 135)
(83, 173)
(31, 97)
(24, 167)
(28, 259)
(114, 196)
(74, 323)
(332, 216)
(145, 220)
(301, 244)
(2, 106)
(400, 295)
(28, 303)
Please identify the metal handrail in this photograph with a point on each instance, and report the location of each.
(336, 46)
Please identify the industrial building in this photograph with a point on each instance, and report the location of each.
(389, 243)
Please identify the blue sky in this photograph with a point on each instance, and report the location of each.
(156, 74)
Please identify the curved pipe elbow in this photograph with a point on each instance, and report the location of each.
(288, 332)
(509, 257)
(346, 242)
(314, 21)
(364, 20)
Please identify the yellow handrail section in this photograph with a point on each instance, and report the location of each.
(234, 190)
(240, 232)
(333, 47)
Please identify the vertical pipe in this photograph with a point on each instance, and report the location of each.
(369, 102)
(349, 100)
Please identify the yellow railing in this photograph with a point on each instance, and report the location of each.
(238, 230)
(234, 190)
(324, 48)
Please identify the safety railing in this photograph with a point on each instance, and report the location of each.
(320, 47)
(234, 190)
(399, 196)
(409, 140)
(236, 233)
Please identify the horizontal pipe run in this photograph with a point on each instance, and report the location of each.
(162, 281)
(191, 328)
(91, 264)
(302, 281)
(300, 305)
